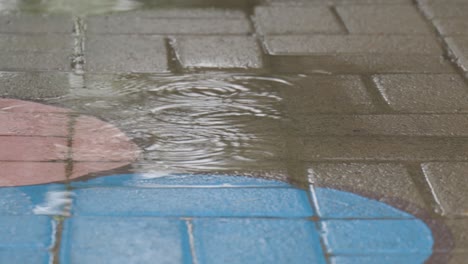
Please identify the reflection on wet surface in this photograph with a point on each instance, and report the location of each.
(191, 123)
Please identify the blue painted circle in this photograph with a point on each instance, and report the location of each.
(243, 218)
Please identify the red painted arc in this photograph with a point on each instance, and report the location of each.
(38, 142)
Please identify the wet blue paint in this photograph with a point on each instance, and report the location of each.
(218, 218)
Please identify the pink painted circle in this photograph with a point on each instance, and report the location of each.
(38, 143)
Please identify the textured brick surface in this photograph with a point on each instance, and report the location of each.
(125, 54)
(337, 94)
(95, 140)
(142, 240)
(424, 93)
(449, 183)
(386, 19)
(318, 44)
(218, 52)
(23, 173)
(34, 85)
(33, 232)
(202, 202)
(36, 43)
(384, 148)
(181, 25)
(339, 241)
(459, 232)
(380, 181)
(31, 61)
(15, 148)
(459, 48)
(295, 20)
(366, 125)
(27, 124)
(445, 10)
(451, 27)
(361, 63)
(236, 240)
(37, 24)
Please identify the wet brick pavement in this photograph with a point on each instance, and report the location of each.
(385, 113)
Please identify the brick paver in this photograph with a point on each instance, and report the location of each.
(295, 20)
(449, 183)
(178, 23)
(381, 180)
(383, 124)
(35, 23)
(332, 44)
(338, 94)
(218, 52)
(424, 93)
(34, 85)
(142, 54)
(383, 19)
(459, 48)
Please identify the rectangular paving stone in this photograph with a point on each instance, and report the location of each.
(25, 172)
(257, 240)
(443, 10)
(327, 94)
(18, 61)
(384, 125)
(36, 43)
(124, 240)
(174, 26)
(34, 85)
(125, 54)
(383, 19)
(295, 20)
(340, 241)
(183, 202)
(451, 27)
(97, 141)
(320, 44)
(23, 200)
(449, 185)
(22, 255)
(384, 149)
(361, 63)
(186, 12)
(459, 234)
(423, 93)
(35, 23)
(459, 48)
(16, 148)
(387, 183)
(170, 180)
(26, 232)
(377, 258)
(38, 124)
(218, 52)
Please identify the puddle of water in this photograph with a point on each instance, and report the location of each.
(191, 123)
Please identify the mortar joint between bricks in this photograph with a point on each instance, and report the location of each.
(78, 60)
(338, 18)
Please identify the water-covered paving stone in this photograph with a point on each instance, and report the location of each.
(181, 218)
(39, 142)
(219, 218)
